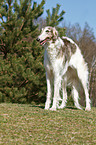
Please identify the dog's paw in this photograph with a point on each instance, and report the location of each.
(79, 108)
(88, 109)
(53, 109)
(61, 106)
(46, 108)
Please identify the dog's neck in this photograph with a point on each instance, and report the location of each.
(54, 47)
(53, 50)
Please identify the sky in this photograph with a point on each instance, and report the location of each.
(77, 11)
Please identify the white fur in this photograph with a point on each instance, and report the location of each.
(56, 71)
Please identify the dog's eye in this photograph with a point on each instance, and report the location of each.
(47, 31)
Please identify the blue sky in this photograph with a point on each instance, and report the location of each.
(77, 11)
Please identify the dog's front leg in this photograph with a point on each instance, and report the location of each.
(57, 84)
(49, 91)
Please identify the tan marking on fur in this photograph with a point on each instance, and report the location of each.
(68, 49)
(70, 46)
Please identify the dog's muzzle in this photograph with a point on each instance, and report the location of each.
(42, 42)
(38, 39)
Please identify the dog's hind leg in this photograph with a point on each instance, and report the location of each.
(76, 97)
(88, 102)
(84, 80)
(88, 106)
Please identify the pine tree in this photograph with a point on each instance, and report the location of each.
(21, 71)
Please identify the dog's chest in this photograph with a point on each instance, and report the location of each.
(53, 50)
(52, 59)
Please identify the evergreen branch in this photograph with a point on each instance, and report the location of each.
(34, 6)
(21, 28)
(54, 18)
(23, 83)
(57, 9)
(53, 14)
(62, 13)
(3, 46)
(49, 17)
(2, 49)
(1, 18)
(2, 42)
(37, 10)
(24, 19)
(9, 3)
(59, 20)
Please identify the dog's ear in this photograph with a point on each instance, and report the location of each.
(55, 33)
(42, 29)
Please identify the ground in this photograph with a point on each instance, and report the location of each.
(32, 125)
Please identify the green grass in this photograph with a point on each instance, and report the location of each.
(32, 125)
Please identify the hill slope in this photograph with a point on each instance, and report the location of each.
(27, 124)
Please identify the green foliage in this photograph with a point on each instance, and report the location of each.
(18, 23)
(61, 31)
(54, 19)
(22, 77)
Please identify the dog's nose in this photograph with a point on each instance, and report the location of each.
(38, 39)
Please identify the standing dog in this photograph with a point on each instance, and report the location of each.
(64, 65)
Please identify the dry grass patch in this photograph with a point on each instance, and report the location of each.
(32, 125)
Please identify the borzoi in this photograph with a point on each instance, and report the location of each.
(64, 65)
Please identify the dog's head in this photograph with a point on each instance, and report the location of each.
(48, 34)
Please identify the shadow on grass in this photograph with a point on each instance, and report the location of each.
(68, 107)
(73, 108)
(37, 106)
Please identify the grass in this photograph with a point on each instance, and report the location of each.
(32, 125)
